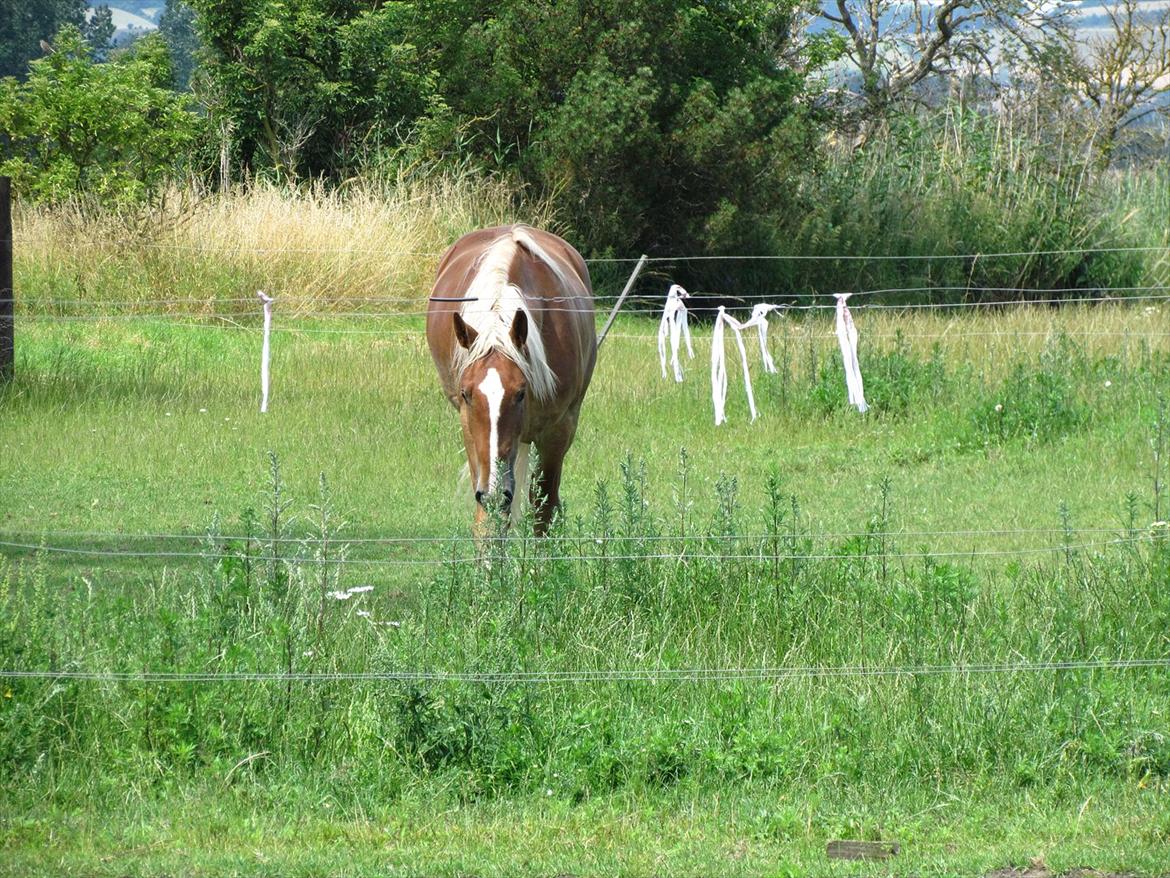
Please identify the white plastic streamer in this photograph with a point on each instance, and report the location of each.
(847, 336)
(267, 300)
(719, 362)
(718, 371)
(674, 324)
(760, 319)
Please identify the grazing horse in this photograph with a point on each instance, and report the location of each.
(510, 325)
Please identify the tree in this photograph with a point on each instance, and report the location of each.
(896, 45)
(113, 130)
(1119, 69)
(660, 124)
(97, 29)
(25, 25)
(308, 85)
(177, 27)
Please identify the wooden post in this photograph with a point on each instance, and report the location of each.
(7, 303)
(621, 298)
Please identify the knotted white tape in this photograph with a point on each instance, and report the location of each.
(674, 324)
(719, 364)
(847, 336)
(267, 300)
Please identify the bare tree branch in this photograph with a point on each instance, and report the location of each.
(1118, 72)
(895, 46)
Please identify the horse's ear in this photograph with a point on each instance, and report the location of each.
(519, 331)
(464, 334)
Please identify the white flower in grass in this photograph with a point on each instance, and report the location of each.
(365, 614)
(389, 624)
(361, 589)
(308, 653)
(202, 411)
(1108, 383)
(339, 595)
(999, 406)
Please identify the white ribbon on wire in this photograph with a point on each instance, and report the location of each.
(847, 337)
(267, 300)
(760, 319)
(674, 324)
(719, 360)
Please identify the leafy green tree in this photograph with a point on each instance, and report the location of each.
(310, 86)
(97, 29)
(177, 27)
(112, 130)
(24, 24)
(662, 123)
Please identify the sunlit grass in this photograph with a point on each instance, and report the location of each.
(245, 829)
(316, 249)
(144, 427)
(1039, 422)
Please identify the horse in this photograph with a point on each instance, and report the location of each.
(510, 326)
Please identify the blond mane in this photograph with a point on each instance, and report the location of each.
(495, 303)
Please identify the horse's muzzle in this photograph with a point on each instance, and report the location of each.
(482, 497)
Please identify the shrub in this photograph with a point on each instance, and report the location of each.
(967, 182)
(112, 130)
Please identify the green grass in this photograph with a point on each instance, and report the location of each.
(104, 432)
(217, 829)
(142, 427)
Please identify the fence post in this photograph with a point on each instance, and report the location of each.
(629, 286)
(7, 303)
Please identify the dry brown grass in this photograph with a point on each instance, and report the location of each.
(322, 249)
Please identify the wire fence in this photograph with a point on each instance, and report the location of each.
(414, 300)
(687, 553)
(754, 547)
(1133, 295)
(776, 674)
(310, 539)
(602, 260)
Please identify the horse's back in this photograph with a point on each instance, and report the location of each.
(458, 264)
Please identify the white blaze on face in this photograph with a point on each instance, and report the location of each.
(492, 389)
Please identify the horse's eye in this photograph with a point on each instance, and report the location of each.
(466, 394)
(520, 396)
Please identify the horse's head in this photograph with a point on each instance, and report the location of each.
(493, 395)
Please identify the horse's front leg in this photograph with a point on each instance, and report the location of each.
(546, 486)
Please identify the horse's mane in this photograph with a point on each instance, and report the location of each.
(494, 307)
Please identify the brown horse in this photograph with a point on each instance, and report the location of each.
(515, 353)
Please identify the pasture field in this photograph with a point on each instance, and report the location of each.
(999, 512)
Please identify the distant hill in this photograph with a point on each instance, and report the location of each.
(1087, 13)
(129, 22)
(146, 9)
(134, 17)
